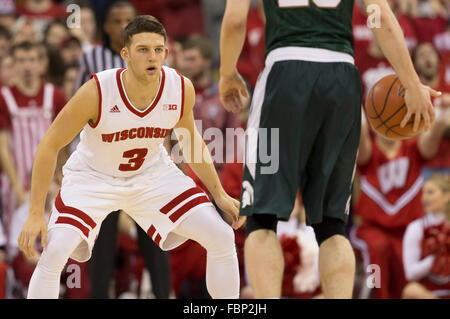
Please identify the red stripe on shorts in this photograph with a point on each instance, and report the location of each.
(186, 207)
(174, 202)
(157, 239)
(63, 209)
(151, 231)
(73, 222)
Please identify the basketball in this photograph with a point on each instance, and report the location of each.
(386, 108)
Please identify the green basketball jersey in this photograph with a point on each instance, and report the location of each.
(325, 24)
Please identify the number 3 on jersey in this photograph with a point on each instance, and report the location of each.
(136, 159)
(305, 3)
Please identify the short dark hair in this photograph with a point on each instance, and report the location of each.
(203, 44)
(25, 45)
(140, 24)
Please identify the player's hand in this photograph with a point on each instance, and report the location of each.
(34, 226)
(230, 207)
(418, 103)
(233, 92)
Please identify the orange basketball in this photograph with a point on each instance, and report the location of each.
(386, 108)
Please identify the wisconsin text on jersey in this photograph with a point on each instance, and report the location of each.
(140, 132)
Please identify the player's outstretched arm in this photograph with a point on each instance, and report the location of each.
(392, 42)
(80, 109)
(197, 155)
(428, 143)
(232, 88)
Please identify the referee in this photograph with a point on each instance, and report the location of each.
(103, 260)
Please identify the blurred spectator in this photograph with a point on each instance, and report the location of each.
(251, 62)
(390, 183)
(107, 56)
(175, 58)
(70, 78)
(429, 18)
(213, 14)
(25, 29)
(426, 63)
(5, 41)
(426, 244)
(26, 112)
(208, 111)
(88, 33)
(7, 71)
(71, 50)
(7, 13)
(51, 65)
(55, 33)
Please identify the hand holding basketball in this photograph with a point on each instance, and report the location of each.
(399, 113)
(418, 103)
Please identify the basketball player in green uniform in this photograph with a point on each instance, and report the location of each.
(310, 91)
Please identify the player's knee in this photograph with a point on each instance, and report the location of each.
(328, 228)
(54, 257)
(266, 222)
(221, 242)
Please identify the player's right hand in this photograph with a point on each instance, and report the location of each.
(418, 104)
(233, 92)
(34, 226)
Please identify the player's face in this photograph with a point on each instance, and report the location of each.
(146, 54)
(26, 62)
(434, 199)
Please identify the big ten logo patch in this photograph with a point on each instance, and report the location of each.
(169, 107)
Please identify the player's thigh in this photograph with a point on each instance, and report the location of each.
(277, 138)
(161, 202)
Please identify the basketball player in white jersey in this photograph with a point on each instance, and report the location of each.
(124, 115)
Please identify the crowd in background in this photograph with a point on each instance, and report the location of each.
(400, 214)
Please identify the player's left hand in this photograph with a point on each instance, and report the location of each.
(233, 92)
(230, 207)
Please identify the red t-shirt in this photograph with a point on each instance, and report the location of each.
(391, 188)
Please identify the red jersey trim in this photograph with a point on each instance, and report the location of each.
(182, 94)
(128, 104)
(99, 100)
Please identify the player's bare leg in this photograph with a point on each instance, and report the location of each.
(264, 261)
(415, 290)
(337, 267)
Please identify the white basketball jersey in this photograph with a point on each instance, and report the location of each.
(125, 140)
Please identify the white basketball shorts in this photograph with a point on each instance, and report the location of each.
(157, 199)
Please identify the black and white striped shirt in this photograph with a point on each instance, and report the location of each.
(97, 59)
